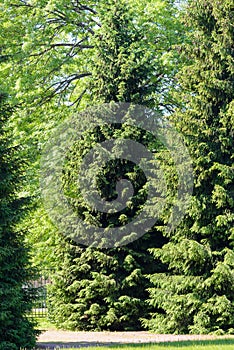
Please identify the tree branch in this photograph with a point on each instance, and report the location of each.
(62, 86)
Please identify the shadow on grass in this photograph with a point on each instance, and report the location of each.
(113, 345)
(81, 344)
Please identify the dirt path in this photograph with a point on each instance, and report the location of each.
(64, 339)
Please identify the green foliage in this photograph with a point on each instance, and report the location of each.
(97, 289)
(46, 40)
(196, 295)
(52, 46)
(16, 301)
(135, 41)
(58, 52)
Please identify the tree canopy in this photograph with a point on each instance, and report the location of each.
(60, 57)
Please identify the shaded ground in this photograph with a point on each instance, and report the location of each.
(64, 339)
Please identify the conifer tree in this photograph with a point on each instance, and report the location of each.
(196, 295)
(106, 288)
(16, 331)
(54, 61)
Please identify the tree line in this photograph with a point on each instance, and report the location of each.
(57, 59)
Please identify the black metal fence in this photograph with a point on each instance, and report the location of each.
(39, 287)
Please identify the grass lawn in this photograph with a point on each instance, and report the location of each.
(225, 344)
(42, 323)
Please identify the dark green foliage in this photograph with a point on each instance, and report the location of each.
(15, 329)
(100, 289)
(197, 294)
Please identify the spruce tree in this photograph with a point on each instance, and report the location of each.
(16, 331)
(196, 294)
(51, 49)
(96, 288)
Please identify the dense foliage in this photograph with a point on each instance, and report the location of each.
(16, 301)
(196, 295)
(58, 52)
(106, 288)
(60, 57)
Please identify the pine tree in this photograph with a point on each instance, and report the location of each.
(196, 295)
(97, 289)
(16, 330)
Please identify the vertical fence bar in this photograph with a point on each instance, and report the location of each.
(39, 287)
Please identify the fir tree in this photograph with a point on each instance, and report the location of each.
(16, 331)
(196, 294)
(99, 289)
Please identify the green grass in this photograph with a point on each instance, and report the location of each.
(42, 323)
(219, 344)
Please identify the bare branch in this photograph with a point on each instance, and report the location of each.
(77, 101)
(62, 86)
(53, 46)
(23, 3)
(78, 6)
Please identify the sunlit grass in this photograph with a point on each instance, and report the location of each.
(42, 323)
(219, 344)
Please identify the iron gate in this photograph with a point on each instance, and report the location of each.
(39, 287)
